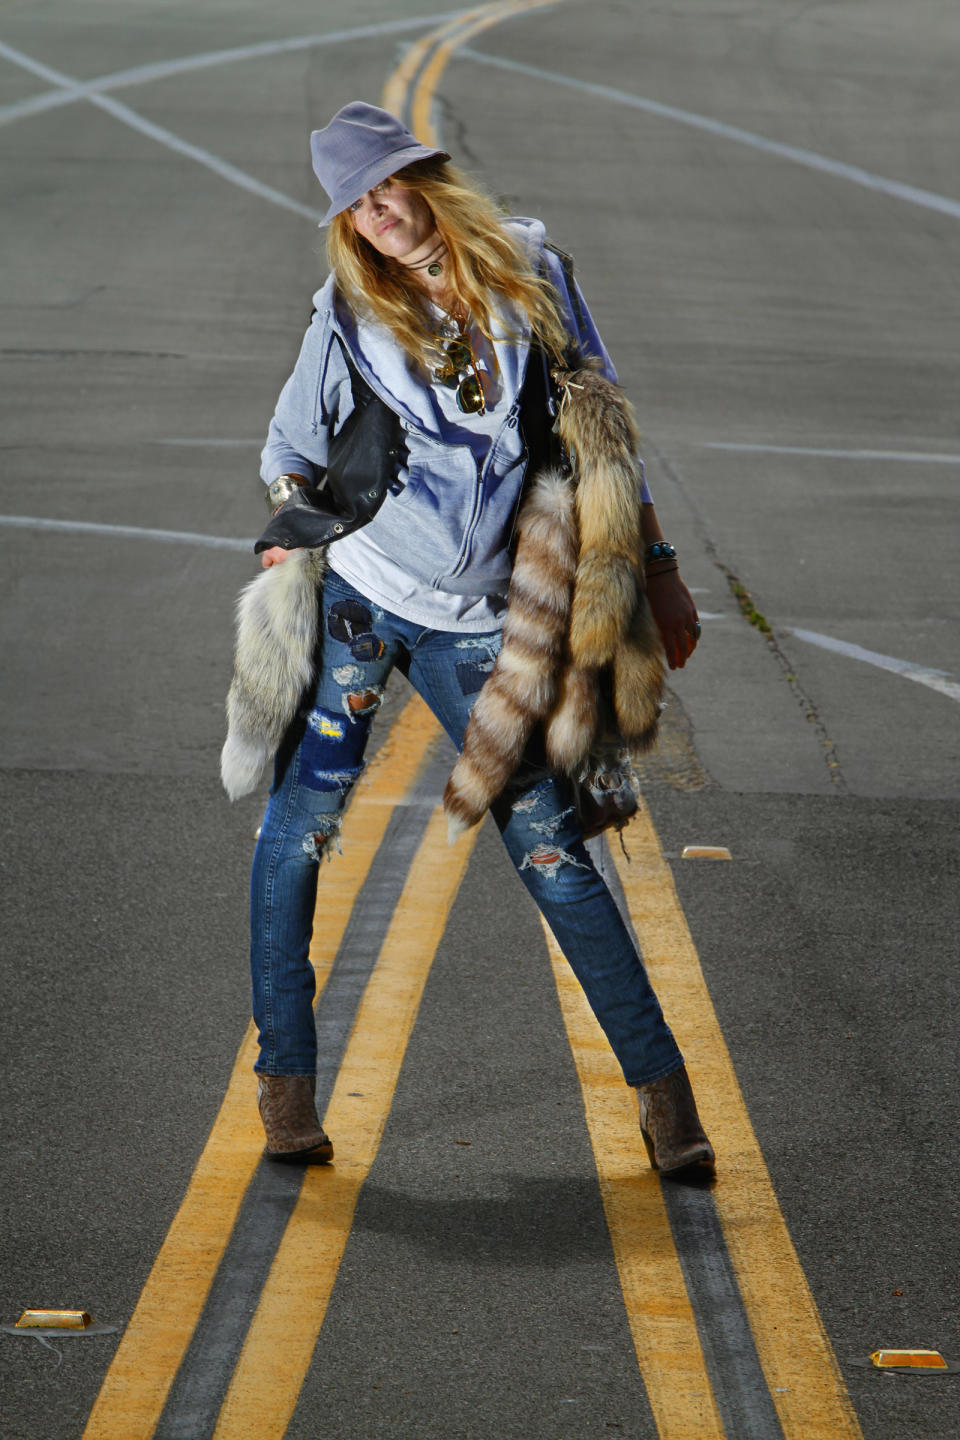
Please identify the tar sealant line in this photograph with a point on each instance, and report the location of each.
(198, 1391)
(902, 457)
(927, 199)
(939, 680)
(792, 1346)
(739, 1385)
(68, 90)
(128, 532)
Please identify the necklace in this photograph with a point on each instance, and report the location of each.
(433, 264)
(453, 323)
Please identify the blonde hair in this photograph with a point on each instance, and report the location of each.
(483, 260)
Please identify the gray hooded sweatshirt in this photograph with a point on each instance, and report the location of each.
(437, 552)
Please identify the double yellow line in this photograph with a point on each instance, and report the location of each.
(411, 88)
(268, 1377)
(794, 1351)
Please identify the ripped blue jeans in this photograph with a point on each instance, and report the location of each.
(315, 770)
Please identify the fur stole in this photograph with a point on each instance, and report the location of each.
(275, 661)
(578, 626)
(577, 629)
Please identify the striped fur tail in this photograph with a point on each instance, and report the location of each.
(597, 425)
(521, 687)
(639, 674)
(571, 727)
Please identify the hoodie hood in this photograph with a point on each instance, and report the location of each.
(387, 368)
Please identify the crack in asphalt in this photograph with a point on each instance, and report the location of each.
(757, 621)
(458, 126)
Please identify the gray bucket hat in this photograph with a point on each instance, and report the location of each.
(361, 146)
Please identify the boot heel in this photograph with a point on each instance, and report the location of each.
(671, 1128)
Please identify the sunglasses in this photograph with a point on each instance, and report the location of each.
(460, 357)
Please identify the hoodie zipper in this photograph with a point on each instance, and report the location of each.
(511, 421)
(471, 527)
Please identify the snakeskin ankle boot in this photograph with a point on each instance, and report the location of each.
(671, 1127)
(289, 1114)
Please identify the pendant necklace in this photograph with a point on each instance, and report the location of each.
(433, 264)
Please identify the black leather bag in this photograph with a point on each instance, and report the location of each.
(605, 798)
(362, 460)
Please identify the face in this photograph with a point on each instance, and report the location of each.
(395, 221)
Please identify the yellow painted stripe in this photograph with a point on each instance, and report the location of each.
(397, 87)
(443, 42)
(661, 1319)
(135, 1389)
(795, 1352)
(281, 1340)
(422, 125)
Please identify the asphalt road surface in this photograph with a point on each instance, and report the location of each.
(764, 205)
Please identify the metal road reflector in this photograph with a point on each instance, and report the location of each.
(705, 852)
(911, 1359)
(53, 1320)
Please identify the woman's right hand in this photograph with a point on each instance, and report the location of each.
(274, 556)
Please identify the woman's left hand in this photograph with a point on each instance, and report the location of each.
(676, 616)
(274, 556)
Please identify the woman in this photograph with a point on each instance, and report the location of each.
(425, 373)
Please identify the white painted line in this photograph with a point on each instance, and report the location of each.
(37, 104)
(160, 69)
(166, 137)
(904, 457)
(223, 168)
(928, 199)
(237, 444)
(936, 679)
(128, 532)
(69, 91)
(36, 67)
